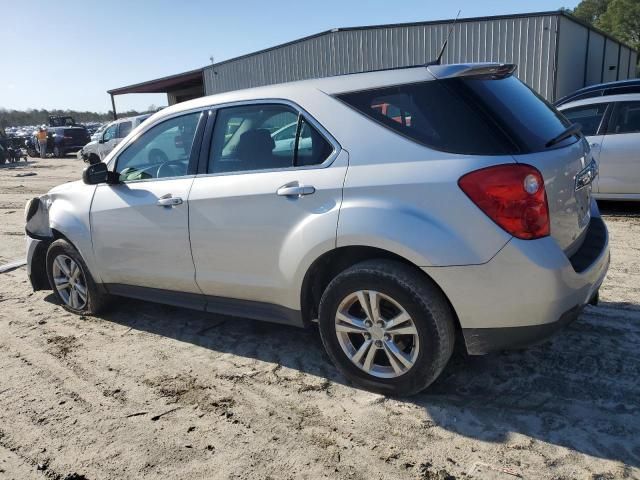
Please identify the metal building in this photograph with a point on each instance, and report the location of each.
(556, 54)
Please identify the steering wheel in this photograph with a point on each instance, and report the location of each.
(169, 169)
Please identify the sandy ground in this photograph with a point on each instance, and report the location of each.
(149, 391)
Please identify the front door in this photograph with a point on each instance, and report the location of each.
(620, 152)
(140, 226)
(263, 202)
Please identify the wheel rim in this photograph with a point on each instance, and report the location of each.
(377, 334)
(70, 282)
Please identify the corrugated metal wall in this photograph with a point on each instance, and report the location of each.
(583, 56)
(529, 42)
(586, 57)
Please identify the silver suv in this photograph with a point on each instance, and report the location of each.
(413, 208)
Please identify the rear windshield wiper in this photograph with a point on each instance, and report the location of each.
(573, 129)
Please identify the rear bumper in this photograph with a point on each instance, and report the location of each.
(527, 292)
(484, 340)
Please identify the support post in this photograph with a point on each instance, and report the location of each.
(113, 108)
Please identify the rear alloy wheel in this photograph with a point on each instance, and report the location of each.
(71, 281)
(387, 326)
(377, 334)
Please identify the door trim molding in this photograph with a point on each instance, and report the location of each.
(234, 307)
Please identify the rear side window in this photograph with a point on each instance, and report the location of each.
(626, 118)
(588, 116)
(264, 137)
(465, 115)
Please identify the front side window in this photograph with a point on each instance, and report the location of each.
(110, 133)
(263, 137)
(626, 118)
(124, 129)
(162, 151)
(479, 116)
(588, 116)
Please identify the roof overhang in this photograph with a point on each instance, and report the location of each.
(179, 81)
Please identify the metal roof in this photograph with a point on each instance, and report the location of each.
(194, 77)
(161, 85)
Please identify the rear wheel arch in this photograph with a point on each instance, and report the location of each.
(326, 267)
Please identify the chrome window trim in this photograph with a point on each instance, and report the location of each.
(142, 132)
(147, 180)
(337, 148)
(112, 159)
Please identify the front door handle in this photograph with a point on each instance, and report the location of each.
(295, 190)
(594, 145)
(169, 200)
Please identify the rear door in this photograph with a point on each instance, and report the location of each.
(620, 153)
(260, 203)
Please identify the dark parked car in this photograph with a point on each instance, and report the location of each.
(60, 141)
(611, 88)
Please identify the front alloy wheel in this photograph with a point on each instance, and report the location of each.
(377, 334)
(70, 282)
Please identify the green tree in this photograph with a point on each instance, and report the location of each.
(591, 10)
(622, 20)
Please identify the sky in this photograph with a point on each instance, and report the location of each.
(66, 54)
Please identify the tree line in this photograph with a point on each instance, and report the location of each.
(619, 18)
(17, 118)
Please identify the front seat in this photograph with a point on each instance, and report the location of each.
(255, 149)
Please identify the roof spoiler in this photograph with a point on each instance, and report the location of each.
(490, 71)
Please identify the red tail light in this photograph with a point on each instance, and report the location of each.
(513, 196)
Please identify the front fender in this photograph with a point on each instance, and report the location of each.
(69, 216)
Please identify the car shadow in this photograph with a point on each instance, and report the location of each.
(619, 209)
(579, 390)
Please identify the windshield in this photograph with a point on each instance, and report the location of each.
(466, 115)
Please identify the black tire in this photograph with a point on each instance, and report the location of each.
(422, 300)
(57, 152)
(96, 301)
(32, 152)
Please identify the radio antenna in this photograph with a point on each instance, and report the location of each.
(444, 45)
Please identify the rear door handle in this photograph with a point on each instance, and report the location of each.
(295, 190)
(169, 200)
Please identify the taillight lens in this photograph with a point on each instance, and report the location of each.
(511, 195)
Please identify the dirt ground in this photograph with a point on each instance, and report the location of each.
(155, 392)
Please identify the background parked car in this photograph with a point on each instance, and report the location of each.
(100, 145)
(60, 141)
(611, 124)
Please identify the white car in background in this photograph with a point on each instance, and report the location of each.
(611, 124)
(284, 138)
(96, 150)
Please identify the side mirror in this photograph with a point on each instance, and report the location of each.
(95, 174)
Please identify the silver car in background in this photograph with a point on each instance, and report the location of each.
(611, 124)
(108, 137)
(412, 208)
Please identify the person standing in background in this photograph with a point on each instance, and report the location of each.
(42, 141)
